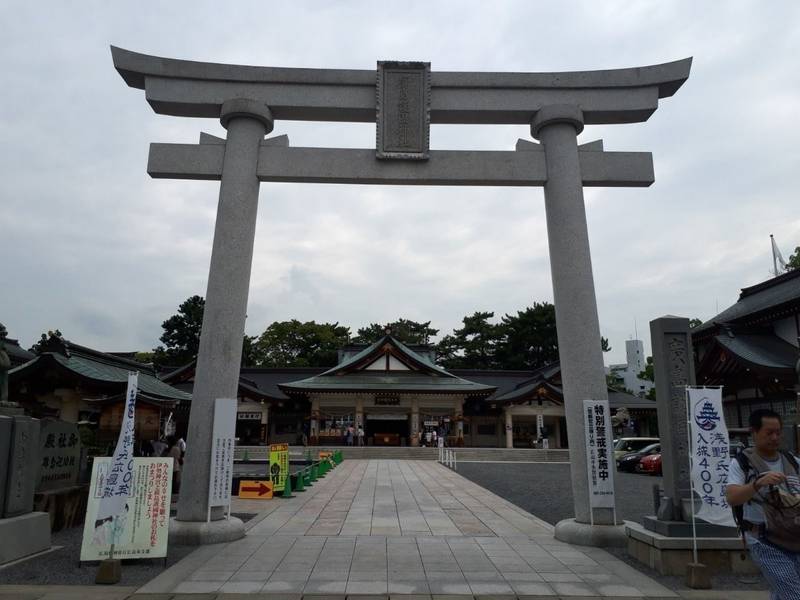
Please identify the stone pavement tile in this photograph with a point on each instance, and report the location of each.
(367, 587)
(486, 576)
(403, 574)
(324, 574)
(574, 589)
(35, 596)
(449, 586)
(409, 586)
(190, 596)
(561, 577)
(521, 577)
(203, 575)
(325, 587)
(618, 590)
(584, 569)
(167, 596)
(196, 587)
(606, 578)
(381, 575)
(242, 587)
(409, 596)
(278, 586)
(485, 588)
(532, 588)
(261, 576)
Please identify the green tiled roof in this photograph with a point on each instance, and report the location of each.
(100, 368)
(429, 377)
(767, 351)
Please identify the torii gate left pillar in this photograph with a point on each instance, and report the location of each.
(409, 98)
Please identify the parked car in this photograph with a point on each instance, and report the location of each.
(650, 464)
(629, 461)
(623, 446)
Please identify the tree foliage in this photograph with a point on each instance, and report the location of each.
(296, 344)
(794, 260)
(405, 330)
(181, 337)
(473, 346)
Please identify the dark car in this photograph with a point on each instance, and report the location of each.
(629, 461)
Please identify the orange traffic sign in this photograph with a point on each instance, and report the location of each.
(255, 489)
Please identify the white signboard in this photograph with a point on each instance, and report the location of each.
(224, 434)
(141, 528)
(539, 425)
(599, 453)
(709, 447)
(117, 486)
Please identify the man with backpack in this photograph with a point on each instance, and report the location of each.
(764, 491)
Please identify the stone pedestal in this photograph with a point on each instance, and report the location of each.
(585, 534)
(698, 576)
(672, 555)
(24, 535)
(196, 533)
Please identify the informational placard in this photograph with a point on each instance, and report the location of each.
(278, 465)
(599, 463)
(59, 455)
(224, 435)
(709, 454)
(539, 425)
(141, 529)
(255, 489)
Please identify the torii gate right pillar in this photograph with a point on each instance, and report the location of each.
(579, 342)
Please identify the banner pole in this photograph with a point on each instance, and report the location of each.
(691, 478)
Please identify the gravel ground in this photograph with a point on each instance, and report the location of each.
(544, 489)
(61, 567)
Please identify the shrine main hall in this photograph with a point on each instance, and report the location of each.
(399, 395)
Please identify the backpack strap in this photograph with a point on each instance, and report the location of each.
(790, 461)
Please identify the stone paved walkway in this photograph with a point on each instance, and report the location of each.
(402, 527)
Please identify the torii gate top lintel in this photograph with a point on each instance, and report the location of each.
(198, 89)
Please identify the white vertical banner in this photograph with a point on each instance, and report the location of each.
(224, 435)
(599, 453)
(117, 485)
(709, 447)
(539, 425)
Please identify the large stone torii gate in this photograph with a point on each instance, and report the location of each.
(403, 99)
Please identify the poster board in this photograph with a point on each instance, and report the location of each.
(141, 529)
(255, 489)
(278, 465)
(222, 444)
(599, 453)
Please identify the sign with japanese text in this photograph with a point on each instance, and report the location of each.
(599, 453)
(224, 434)
(117, 485)
(141, 529)
(59, 455)
(278, 465)
(709, 454)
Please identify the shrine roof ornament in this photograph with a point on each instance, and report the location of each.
(198, 89)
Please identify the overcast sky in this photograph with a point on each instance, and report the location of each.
(94, 247)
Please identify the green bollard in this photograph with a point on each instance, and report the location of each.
(307, 477)
(300, 487)
(287, 488)
(323, 469)
(314, 473)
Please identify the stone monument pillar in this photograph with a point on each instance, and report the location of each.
(219, 356)
(579, 346)
(673, 367)
(509, 429)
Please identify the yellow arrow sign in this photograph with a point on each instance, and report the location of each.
(255, 489)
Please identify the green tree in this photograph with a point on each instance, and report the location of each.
(405, 330)
(794, 260)
(528, 339)
(695, 323)
(473, 346)
(181, 337)
(296, 344)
